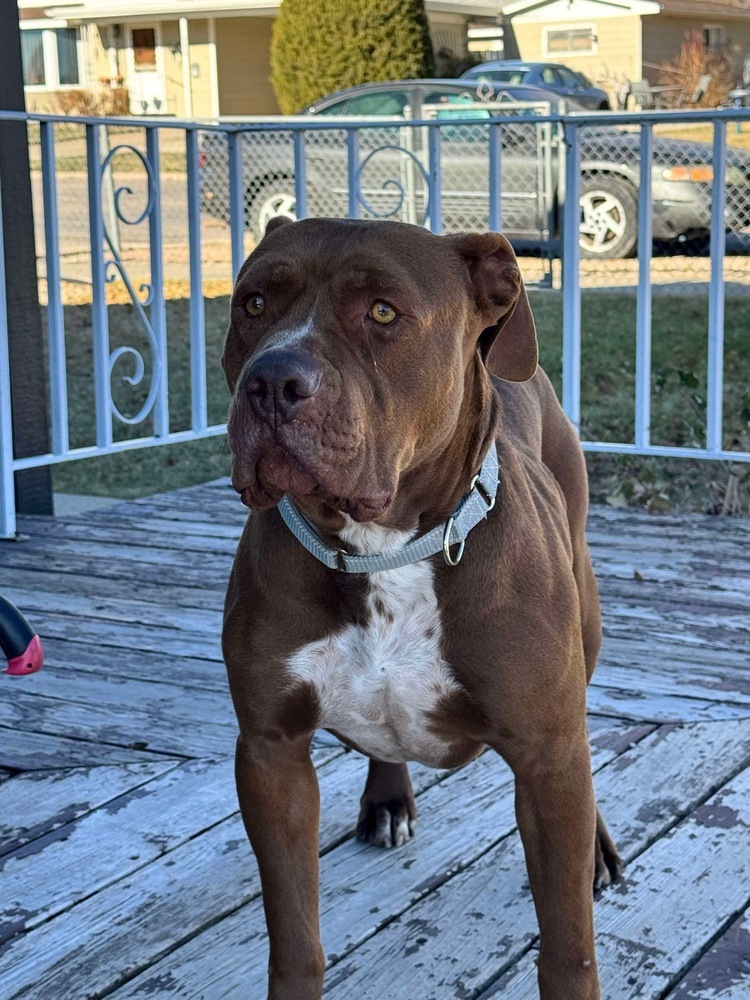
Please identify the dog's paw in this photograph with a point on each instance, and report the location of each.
(385, 824)
(608, 865)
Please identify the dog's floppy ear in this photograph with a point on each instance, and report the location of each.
(507, 342)
(276, 222)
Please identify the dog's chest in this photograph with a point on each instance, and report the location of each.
(378, 683)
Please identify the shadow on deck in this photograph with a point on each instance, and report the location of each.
(124, 868)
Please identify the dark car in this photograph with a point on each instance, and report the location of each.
(560, 79)
(394, 168)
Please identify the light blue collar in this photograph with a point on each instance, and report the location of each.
(474, 507)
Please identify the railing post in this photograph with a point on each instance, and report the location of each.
(643, 305)
(352, 162)
(199, 405)
(7, 488)
(496, 183)
(571, 256)
(158, 310)
(436, 203)
(236, 202)
(300, 175)
(55, 318)
(99, 318)
(715, 381)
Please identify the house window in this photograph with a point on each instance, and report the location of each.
(50, 58)
(144, 49)
(578, 40)
(67, 57)
(713, 36)
(32, 55)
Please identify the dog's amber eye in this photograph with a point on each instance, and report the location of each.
(382, 313)
(255, 304)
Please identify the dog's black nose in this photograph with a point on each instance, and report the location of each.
(279, 381)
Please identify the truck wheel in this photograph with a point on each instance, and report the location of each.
(609, 216)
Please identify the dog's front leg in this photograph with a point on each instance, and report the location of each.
(279, 799)
(557, 819)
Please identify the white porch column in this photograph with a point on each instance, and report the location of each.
(213, 63)
(187, 77)
(112, 54)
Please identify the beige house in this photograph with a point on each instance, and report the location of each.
(179, 57)
(616, 40)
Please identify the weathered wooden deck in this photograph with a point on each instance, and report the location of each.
(124, 868)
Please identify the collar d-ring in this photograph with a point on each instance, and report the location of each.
(450, 559)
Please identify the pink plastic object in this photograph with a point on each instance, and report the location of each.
(29, 661)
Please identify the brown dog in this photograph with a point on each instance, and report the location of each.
(358, 357)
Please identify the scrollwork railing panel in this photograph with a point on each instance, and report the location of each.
(142, 297)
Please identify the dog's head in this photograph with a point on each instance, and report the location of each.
(348, 349)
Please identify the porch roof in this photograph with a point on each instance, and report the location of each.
(735, 10)
(574, 10)
(125, 10)
(722, 9)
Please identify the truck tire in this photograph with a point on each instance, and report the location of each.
(609, 218)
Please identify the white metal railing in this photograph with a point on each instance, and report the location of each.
(301, 150)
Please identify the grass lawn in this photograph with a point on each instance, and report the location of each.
(607, 390)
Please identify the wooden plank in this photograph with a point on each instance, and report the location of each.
(459, 938)
(200, 516)
(666, 658)
(26, 750)
(130, 635)
(637, 705)
(362, 888)
(676, 548)
(38, 802)
(148, 729)
(48, 582)
(681, 524)
(666, 911)
(688, 684)
(119, 549)
(187, 671)
(196, 621)
(189, 501)
(676, 552)
(161, 698)
(723, 973)
(724, 568)
(729, 631)
(114, 933)
(168, 531)
(113, 534)
(208, 573)
(687, 593)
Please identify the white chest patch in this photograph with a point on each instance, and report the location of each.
(376, 684)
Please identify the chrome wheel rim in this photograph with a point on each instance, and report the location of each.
(274, 205)
(603, 221)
